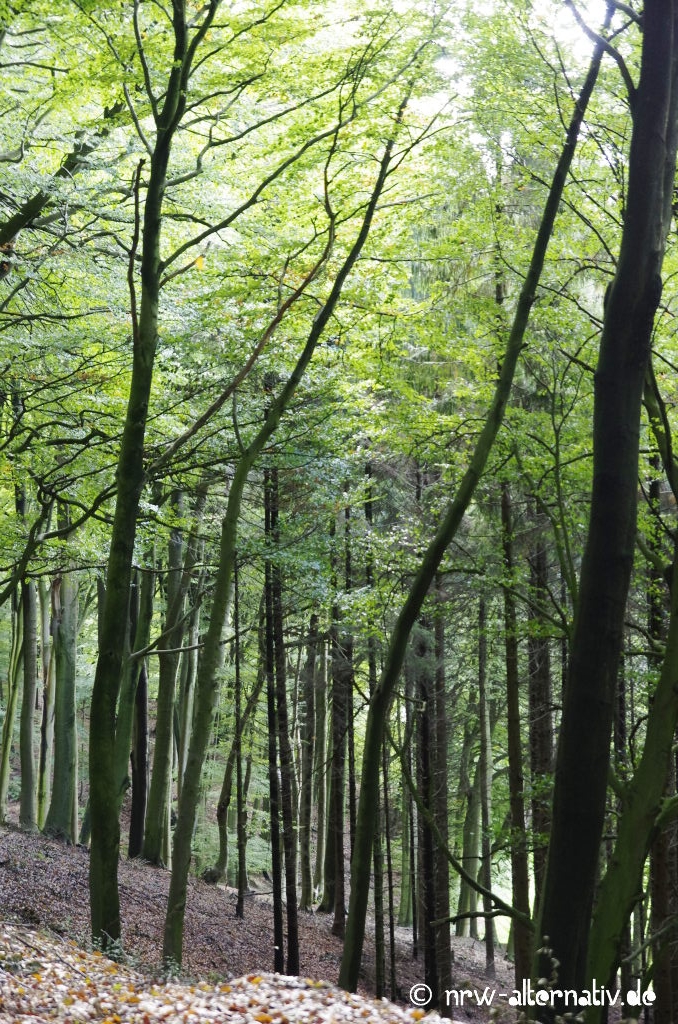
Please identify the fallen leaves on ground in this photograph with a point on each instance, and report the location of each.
(45, 979)
(44, 885)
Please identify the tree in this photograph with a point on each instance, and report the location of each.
(206, 682)
(588, 701)
(380, 701)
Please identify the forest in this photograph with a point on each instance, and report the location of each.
(337, 480)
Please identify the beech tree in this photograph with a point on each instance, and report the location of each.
(632, 301)
(380, 700)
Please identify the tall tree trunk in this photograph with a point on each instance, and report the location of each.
(320, 767)
(238, 745)
(389, 877)
(540, 703)
(522, 938)
(143, 597)
(47, 724)
(273, 771)
(286, 756)
(584, 743)
(405, 903)
(440, 806)
(341, 683)
(61, 821)
(28, 795)
(308, 677)
(424, 670)
(485, 770)
(15, 668)
(379, 938)
(160, 791)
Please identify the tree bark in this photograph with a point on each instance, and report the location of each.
(28, 818)
(273, 770)
(522, 938)
(139, 738)
(540, 703)
(47, 724)
(61, 820)
(287, 801)
(160, 791)
(485, 770)
(307, 759)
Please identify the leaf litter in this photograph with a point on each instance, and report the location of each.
(44, 900)
(46, 978)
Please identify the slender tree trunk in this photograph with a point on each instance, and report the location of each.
(425, 674)
(159, 794)
(143, 596)
(28, 795)
(540, 703)
(405, 904)
(238, 744)
(320, 767)
(130, 479)
(307, 758)
(60, 818)
(522, 938)
(286, 757)
(389, 876)
(379, 938)
(273, 772)
(47, 724)
(485, 770)
(14, 671)
(341, 676)
(440, 807)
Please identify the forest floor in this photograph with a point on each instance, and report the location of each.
(44, 911)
